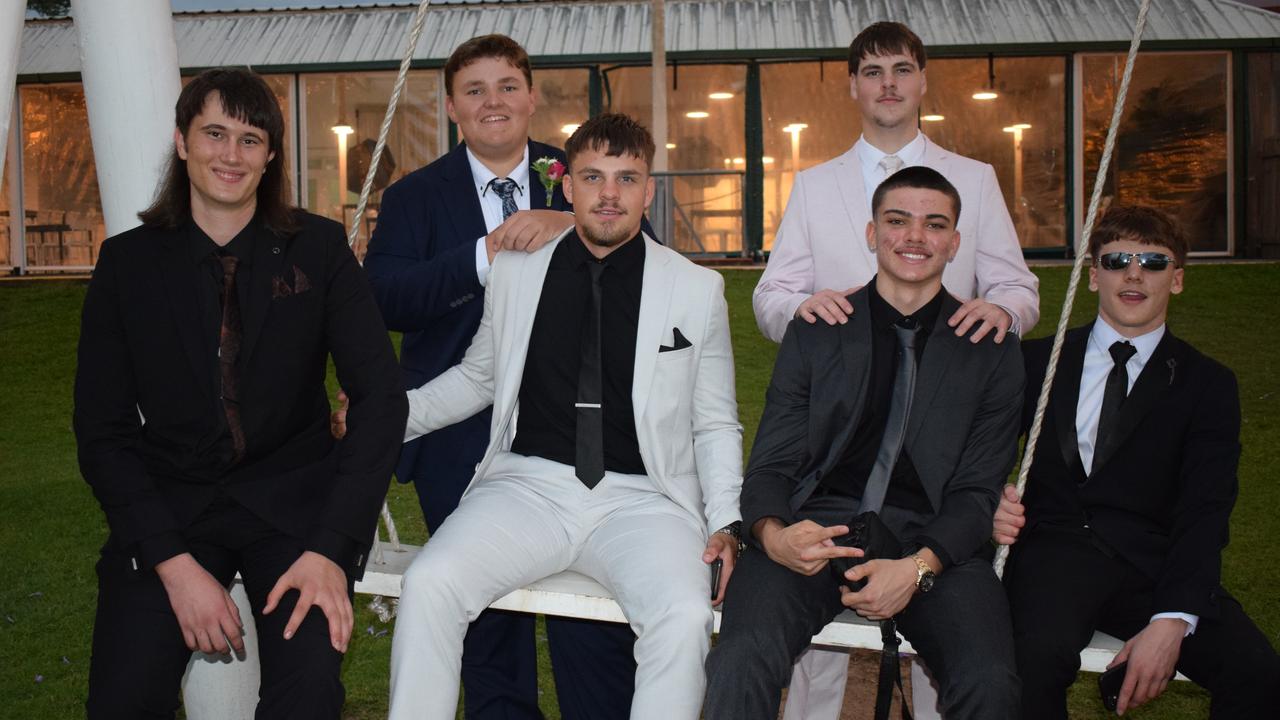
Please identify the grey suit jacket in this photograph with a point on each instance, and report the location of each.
(962, 432)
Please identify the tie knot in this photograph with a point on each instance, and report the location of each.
(1121, 352)
(891, 164)
(229, 263)
(906, 332)
(596, 269)
(506, 188)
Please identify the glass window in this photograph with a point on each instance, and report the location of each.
(63, 214)
(563, 104)
(809, 118)
(6, 225)
(705, 133)
(343, 116)
(1262, 163)
(1172, 147)
(1021, 132)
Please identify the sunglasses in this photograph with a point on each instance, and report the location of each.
(1147, 260)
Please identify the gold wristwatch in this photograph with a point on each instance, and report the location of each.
(924, 574)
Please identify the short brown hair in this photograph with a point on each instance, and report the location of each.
(921, 177)
(616, 134)
(1143, 224)
(885, 38)
(487, 46)
(246, 97)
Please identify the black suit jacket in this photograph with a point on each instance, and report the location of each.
(961, 433)
(1161, 492)
(142, 354)
(422, 265)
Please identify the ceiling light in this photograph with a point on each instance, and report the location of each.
(342, 129)
(721, 96)
(697, 114)
(568, 129)
(671, 146)
(794, 127)
(766, 160)
(933, 118)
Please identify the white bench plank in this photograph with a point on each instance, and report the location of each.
(571, 594)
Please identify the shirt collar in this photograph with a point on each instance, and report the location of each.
(1103, 336)
(883, 315)
(483, 175)
(870, 155)
(626, 260)
(200, 246)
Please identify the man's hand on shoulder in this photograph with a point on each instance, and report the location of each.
(1010, 517)
(831, 305)
(988, 317)
(207, 615)
(319, 582)
(527, 231)
(804, 547)
(1152, 655)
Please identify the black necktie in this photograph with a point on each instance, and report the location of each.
(895, 428)
(228, 351)
(506, 190)
(1113, 396)
(589, 459)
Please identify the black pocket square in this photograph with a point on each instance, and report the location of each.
(679, 342)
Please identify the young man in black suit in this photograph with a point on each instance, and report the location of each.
(202, 420)
(1130, 494)
(841, 417)
(439, 228)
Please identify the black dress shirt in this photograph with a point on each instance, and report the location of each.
(214, 451)
(849, 476)
(547, 424)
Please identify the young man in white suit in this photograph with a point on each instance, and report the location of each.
(818, 260)
(615, 446)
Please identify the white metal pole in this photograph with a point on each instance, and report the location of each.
(12, 13)
(129, 65)
(658, 18)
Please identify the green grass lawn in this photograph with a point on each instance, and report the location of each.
(51, 527)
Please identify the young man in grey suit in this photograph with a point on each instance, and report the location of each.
(843, 410)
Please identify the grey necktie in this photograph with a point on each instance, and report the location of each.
(506, 190)
(891, 164)
(895, 427)
(589, 452)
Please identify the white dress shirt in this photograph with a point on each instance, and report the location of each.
(491, 203)
(1093, 383)
(870, 156)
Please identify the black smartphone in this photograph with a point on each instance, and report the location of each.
(1109, 684)
(716, 566)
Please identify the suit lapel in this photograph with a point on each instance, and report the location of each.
(1156, 377)
(1066, 396)
(655, 304)
(180, 280)
(458, 193)
(855, 361)
(268, 260)
(853, 189)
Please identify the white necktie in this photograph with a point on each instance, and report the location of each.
(890, 164)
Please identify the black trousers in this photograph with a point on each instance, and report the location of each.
(960, 629)
(593, 662)
(1063, 584)
(138, 652)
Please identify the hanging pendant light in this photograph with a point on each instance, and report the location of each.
(989, 92)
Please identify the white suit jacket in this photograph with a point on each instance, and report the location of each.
(821, 242)
(686, 410)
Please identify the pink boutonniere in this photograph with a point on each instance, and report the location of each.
(550, 172)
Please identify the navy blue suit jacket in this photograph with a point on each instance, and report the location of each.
(421, 262)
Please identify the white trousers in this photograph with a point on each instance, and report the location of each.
(818, 682)
(530, 518)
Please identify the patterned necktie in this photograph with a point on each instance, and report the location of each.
(229, 351)
(589, 453)
(890, 164)
(895, 427)
(506, 190)
(1113, 396)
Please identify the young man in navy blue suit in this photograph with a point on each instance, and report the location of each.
(438, 229)
(1130, 495)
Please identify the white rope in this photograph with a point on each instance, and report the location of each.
(410, 45)
(1082, 251)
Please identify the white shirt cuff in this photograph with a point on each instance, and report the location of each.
(1191, 620)
(482, 262)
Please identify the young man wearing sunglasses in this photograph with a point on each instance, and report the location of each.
(1130, 494)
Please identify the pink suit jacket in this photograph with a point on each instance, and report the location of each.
(821, 243)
